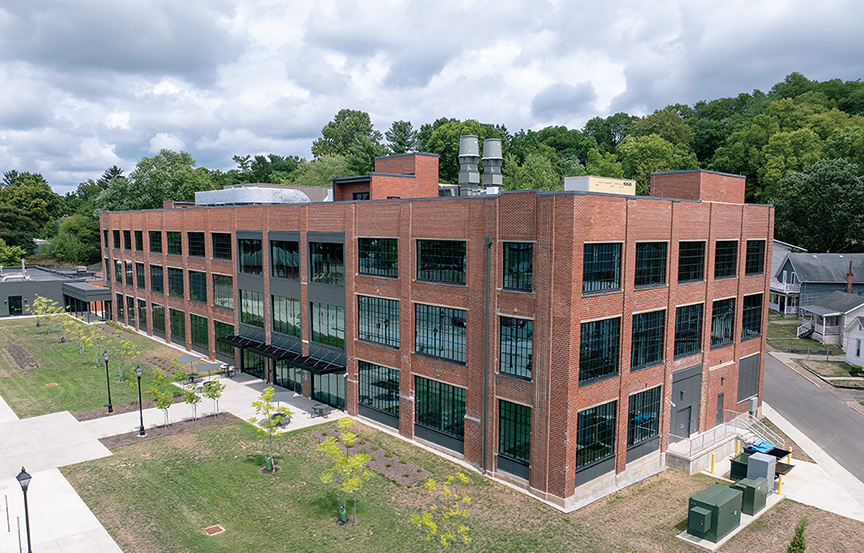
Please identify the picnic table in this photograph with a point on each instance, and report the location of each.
(192, 377)
(320, 410)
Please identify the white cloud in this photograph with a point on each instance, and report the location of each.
(166, 141)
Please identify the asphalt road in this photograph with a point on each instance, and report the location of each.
(819, 412)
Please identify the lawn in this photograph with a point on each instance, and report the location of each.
(174, 487)
(829, 368)
(784, 338)
(66, 380)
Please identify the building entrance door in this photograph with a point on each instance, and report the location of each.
(686, 399)
(682, 416)
(15, 305)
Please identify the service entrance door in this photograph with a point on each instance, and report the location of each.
(15, 305)
(686, 399)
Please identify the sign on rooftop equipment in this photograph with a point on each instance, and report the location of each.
(603, 185)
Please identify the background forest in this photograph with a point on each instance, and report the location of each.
(800, 145)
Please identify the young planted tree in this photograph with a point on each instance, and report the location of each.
(347, 472)
(162, 393)
(123, 351)
(74, 328)
(445, 524)
(799, 540)
(191, 398)
(269, 418)
(45, 310)
(213, 390)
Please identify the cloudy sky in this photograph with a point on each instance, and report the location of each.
(95, 83)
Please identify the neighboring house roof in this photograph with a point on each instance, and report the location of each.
(778, 255)
(835, 303)
(826, 267)
(856, 321)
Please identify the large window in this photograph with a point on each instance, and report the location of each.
(175, 282)
(178, 325)
(688, 329)
(221, 245)
(252, 308)
(196, 244)
(251, 256)
(129, 273)
(127, 239)
(198, 328)
(643, 416)
(139, 275)
(751, 323)
(221, 330)
(175, 242)
(328, 324)
(142, 314)
(378, 257)
(725, 259)
(197, 286)
(648, 343)
(595, 434)
(118, 271)
(329, 388)
(254, 363)
(378, 320)
(286, 316)
(441, 261)
(378, 387)
(130, 309)
(599, 349)
(691, 261)
(517, 336)
(285, 259)
(157, 280)
(328, 264)
(518, 266)
(722, 322)
(107, 269)
(105, 238)
(514, 432)
(288, 375)
(158, 317)
(139, 241)
(223, 291)
(115, 235)
(120, 308)
(601, 267)
(650, 264)
(440, 407)
(155, 241)
(754, 263)
(440, 331)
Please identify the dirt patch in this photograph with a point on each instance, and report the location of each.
(21, 357)
(122, 408)
(180, 427)
(398, 469)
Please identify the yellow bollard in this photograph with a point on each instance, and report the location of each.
(737, 447)
(780, 486)
(712, 463)
(789, 459)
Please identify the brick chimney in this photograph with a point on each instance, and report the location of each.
(849, 278)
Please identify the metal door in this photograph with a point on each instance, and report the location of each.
(719, 419)
(15, 305)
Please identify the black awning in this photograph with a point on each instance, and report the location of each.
(275, 353)
(319, 360)
(240, 341)
(322, 360)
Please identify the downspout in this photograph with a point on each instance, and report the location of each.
(488, 242)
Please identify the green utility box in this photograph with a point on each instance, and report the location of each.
(755, 492)
(714, 512)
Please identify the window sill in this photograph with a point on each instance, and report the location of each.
(396, 277)
(748, 338)
(515, 376)
(517, 290)
(601, 292)
(727, 277)
(444, 282)
(650, 286)
(430, 356)
(598, 379)
(692, 281)
(721, 346)
(648, 366)
(157, 291)
(760, 274)
(686, 355)
(223, 307)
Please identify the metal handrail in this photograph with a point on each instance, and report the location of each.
(750, 423)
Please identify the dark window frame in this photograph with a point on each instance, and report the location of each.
(154, 238)
(514, 432)
(139, 276)
(643, 416)
(691, 260)
(595, 426)
(432, 321)
(195, 244)
(651, 264)
(378, 320)
(221, 242)
(252, 308)
(516, 256)
(648, 344)
(285, 310)
(115, 236)
(751, 316)
(601, 267)
(378, 257)
(725, 259)
(176, 284)
(250, 256)
(198, 328)
(722, 323)
(754, 260)
(139, 241)
(127, 240)
(447, 414)
(157, 283)
(174, 242)
(378, 387)
(689, 325)
(599, 349)
(327, 263)
(197, 286)
(516, 347)
(220, 330)
(335, 336)
(219, 285)
(442, 261)
(281, 263)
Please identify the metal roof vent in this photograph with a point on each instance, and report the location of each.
(492, 162)
(469, 161)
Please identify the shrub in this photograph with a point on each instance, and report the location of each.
(799, 541)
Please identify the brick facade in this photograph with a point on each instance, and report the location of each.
(558, 225)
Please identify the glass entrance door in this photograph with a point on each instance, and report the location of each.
(329, 389)
(15, 305)
(288, 376)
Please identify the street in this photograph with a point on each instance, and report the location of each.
(818, 412)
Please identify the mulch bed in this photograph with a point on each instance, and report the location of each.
(21, 357)
(122, 408)
(393, 467)
(179, 427)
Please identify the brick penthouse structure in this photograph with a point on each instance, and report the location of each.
(553, 339)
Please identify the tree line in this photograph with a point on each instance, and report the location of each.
(800, 145)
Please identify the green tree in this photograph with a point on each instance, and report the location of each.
(269, 418)
(164, 177)
(191, 398)
(347, 472)
(446, 523)
(10, 255)
(31, 196)
(363, 154)
(401, 137)
(16, 228)
(444, 141)
(822, 207)
(320, 172)
(110, 174)
(536, 173)
(799, 540)
(609, 132)
(45, 310)
(123, 351)
(668, 123)
(76, 329)
(602, 164)
(212, 390)
(343, 132)
(643, 155)
(163, 395)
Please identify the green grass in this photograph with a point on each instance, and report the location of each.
(784, 337)
(80, 386)
(829, 368)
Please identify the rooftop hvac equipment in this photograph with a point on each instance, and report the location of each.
(492, 162)
(469, 165)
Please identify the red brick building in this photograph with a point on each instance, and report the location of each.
(553, 339)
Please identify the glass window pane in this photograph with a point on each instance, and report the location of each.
(440, 406)
(285, 259)
(250, 256)
(221, 245)
(643, 416)
(223, 291)
(440, 331)
(725, 259)
(157, 281)
(175, 282)
(599, 349)
(175, 243)
(722, 322)
(196, 244)
(601, 267)
(378, 257)
(327, 263)
(441, 261)
(650, 264)
(328, 324)
(595, 434)
(286, 315)
(751, 324)
(514, 431)
(648, 339)
(378, 387)
(252, 308)
(691, 261)
(755, 262)
(518, 266)
(378, 320)
(688, 329)
(155, 241)
(517, 336)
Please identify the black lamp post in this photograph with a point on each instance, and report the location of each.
(105, 356)
(138, 373)
(24, 479)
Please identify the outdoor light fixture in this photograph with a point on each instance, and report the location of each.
(138, 373)
(105, 356)
(24, 479)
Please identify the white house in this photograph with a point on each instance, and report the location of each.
(826, 319)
